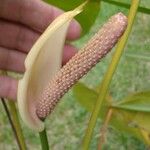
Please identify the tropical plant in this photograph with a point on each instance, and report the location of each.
(130, 114)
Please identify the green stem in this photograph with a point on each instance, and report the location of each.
(44, 140)
(14, 122)
(17, 125)
(10, 120)
(109, 74)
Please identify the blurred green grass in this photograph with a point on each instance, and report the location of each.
(67, 124)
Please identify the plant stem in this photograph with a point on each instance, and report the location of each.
(17, 125)
(14, 121)
(44, 140)
(104, 128)
(145, 135)
(109, 74)
(11, 122)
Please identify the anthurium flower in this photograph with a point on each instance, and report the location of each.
(44, 81)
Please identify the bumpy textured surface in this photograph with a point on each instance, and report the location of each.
(81, 63)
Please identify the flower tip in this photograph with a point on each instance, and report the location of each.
(121, 18)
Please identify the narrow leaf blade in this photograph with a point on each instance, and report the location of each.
(87, 17)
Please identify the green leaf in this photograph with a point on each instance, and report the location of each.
(142, 121)
(135, 110)
(135, 123)
(87, 17)
(87, 98)
(126, 121)
(144, 57)
(125, 5)
(84, 95)
(121, 120)
(137, 102)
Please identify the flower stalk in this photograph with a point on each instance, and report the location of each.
(44, 140)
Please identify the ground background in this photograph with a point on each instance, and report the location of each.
(67, 124)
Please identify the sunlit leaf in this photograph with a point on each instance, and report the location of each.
(121, 121)
(84, 95)
(125, 5)
(132, 122)
(135, 110)
(86, 18)
(87, 98)
(138, 102)
(145, 57)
